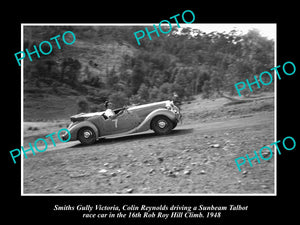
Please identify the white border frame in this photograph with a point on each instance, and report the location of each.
(145, 24)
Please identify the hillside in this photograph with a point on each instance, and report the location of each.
(105, 62)
(48, 98)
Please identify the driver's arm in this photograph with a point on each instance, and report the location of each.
(121, 111)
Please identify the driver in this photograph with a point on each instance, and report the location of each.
(109, 113)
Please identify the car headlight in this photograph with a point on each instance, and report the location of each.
(175, 109)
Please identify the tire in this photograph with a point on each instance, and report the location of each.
(86, 136)
(161, 125)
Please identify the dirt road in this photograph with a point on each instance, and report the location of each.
(196, 158)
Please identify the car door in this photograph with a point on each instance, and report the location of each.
(123, 123)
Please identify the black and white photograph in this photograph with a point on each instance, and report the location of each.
(150, 113)
(149, 109)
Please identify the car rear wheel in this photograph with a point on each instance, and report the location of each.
(86, 135)
(161, 125)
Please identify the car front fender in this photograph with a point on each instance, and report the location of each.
(145, 125)
(76, 127)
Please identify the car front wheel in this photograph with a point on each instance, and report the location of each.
(86, 135)
(161, 125)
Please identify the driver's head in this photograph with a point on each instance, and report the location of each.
(108, 105)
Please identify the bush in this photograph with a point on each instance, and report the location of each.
(96, 108)
(119, 99)
(206, 89)
(143, 92)
(83, 106)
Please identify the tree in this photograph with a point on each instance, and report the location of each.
(165, 91)
(153, 94)
(137, 77)
(143, 92)
(216, 83)
(181, 81)
(70, 70)
(202, 76)
(83, 106)
(111, 79)
(119, 99)
(206, 89)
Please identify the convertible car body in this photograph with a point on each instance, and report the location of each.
(161, 117)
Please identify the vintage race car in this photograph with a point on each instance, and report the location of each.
(161, 117)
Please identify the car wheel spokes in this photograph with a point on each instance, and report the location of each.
(162, 124)
(87, 134)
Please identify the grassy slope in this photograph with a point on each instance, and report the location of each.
(43, 103)
(182, 162)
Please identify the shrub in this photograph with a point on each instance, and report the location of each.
(119, 99)
(83, 106)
